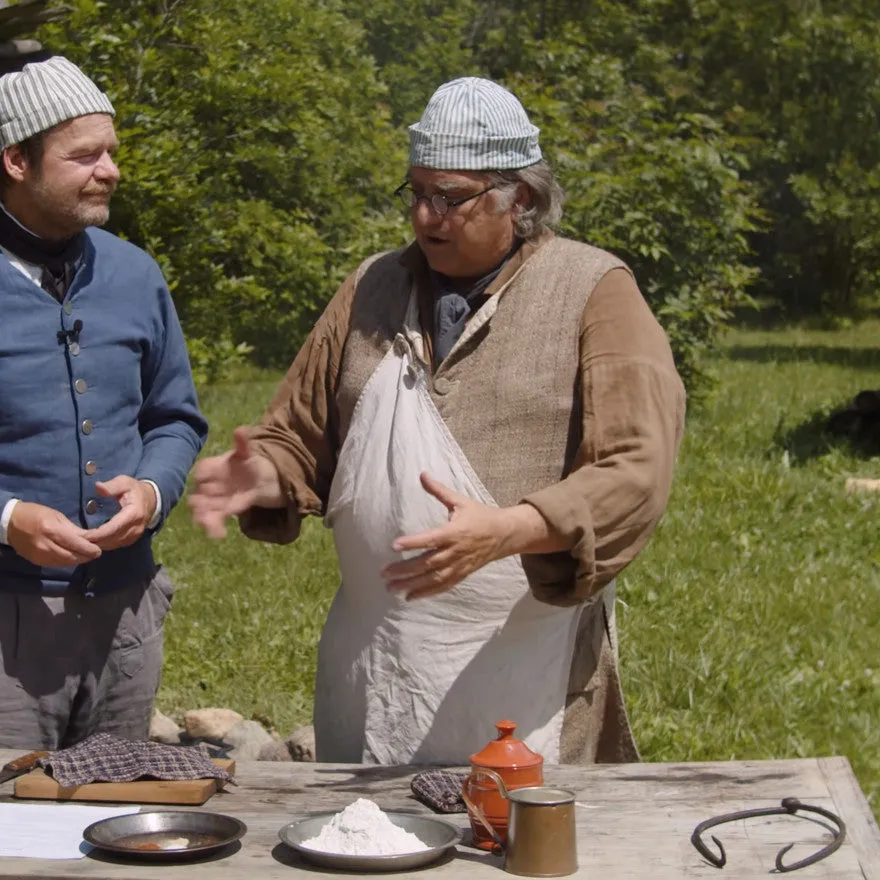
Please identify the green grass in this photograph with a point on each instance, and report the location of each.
(750, 626)
(247, 615)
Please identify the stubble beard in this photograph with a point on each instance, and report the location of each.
(96, 215)
(71, 214)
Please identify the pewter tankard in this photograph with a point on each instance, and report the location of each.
(541, 838)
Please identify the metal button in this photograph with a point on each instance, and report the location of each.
(81, 385)
(87, 426)
(91, 583)
(73, 348)
(442, 385)
(68, 308)
(91, 506)
(91, 467)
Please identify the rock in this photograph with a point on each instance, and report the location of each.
(247, 738)
(275, 751)
(210, 723)
(163, 729)
(862, 484)
(301, 744)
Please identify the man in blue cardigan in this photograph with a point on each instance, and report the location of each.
(99, 425)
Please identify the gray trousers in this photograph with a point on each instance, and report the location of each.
(73, 666)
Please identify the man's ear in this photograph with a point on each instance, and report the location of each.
(14, 162)
(523, 199)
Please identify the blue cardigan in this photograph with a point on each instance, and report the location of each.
(122, 401)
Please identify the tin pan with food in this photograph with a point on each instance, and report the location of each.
(165, 834)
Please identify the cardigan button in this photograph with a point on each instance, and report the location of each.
(90, 468)
(91, 506)
(87, 426)
(68, 308)
(81, 386)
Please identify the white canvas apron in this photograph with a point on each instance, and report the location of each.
(424, 681)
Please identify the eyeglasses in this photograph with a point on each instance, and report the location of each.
(438, 201)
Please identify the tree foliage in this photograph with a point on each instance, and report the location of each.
(801, 80)
(256, 154)
(725, 148)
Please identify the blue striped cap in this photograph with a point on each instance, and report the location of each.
(43, 94)
(473, 124)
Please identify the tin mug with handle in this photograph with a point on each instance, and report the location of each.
(541, 835)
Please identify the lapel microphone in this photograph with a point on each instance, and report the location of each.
(67, 337)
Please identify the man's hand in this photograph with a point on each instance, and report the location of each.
(475, 535)
(229, 484)
(45, 536)
(137, 502)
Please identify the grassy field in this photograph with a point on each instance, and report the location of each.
(750, 627)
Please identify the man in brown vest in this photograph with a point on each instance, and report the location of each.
(488, 419)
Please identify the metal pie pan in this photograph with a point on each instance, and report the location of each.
(437, 835)
(148, 835)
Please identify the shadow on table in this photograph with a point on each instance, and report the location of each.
(368, 772)
(702, 777)
(363, 780)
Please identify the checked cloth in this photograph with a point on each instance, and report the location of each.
(440, 790)
(104, 757)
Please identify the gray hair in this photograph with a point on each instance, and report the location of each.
(544, 209)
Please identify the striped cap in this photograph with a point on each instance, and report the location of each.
(473, 124)
(43, 94)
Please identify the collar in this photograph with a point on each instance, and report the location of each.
(31, 248)
(413, 260)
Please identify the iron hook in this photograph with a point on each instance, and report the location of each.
(789, 806)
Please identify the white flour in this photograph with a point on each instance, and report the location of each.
(362, 829)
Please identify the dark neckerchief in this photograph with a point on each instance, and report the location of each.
(58, 259)
(456, 300)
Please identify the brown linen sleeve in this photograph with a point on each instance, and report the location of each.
(633, 418)
(299, 432)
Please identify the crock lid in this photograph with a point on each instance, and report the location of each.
(507, 751)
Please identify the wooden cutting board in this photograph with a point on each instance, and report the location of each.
(39, 786)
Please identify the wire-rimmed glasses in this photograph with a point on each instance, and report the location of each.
(440, 203)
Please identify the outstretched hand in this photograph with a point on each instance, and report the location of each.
(475, 535)
(229, 484)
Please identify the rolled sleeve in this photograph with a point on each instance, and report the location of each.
(633, 406)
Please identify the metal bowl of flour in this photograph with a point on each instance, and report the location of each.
(438, 836)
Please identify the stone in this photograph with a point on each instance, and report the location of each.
(210, 723)
(164, 729)
(862, 484)
(275, 751)
(301, 744)
(247, 738)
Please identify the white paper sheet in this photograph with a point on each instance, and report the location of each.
(50, 831)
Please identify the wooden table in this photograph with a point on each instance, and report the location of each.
(634, 821)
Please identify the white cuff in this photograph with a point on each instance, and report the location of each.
(5, 517)
(157, 514)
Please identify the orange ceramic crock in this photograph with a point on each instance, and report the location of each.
(516, 764)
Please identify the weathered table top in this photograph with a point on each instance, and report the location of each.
(634, 821)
